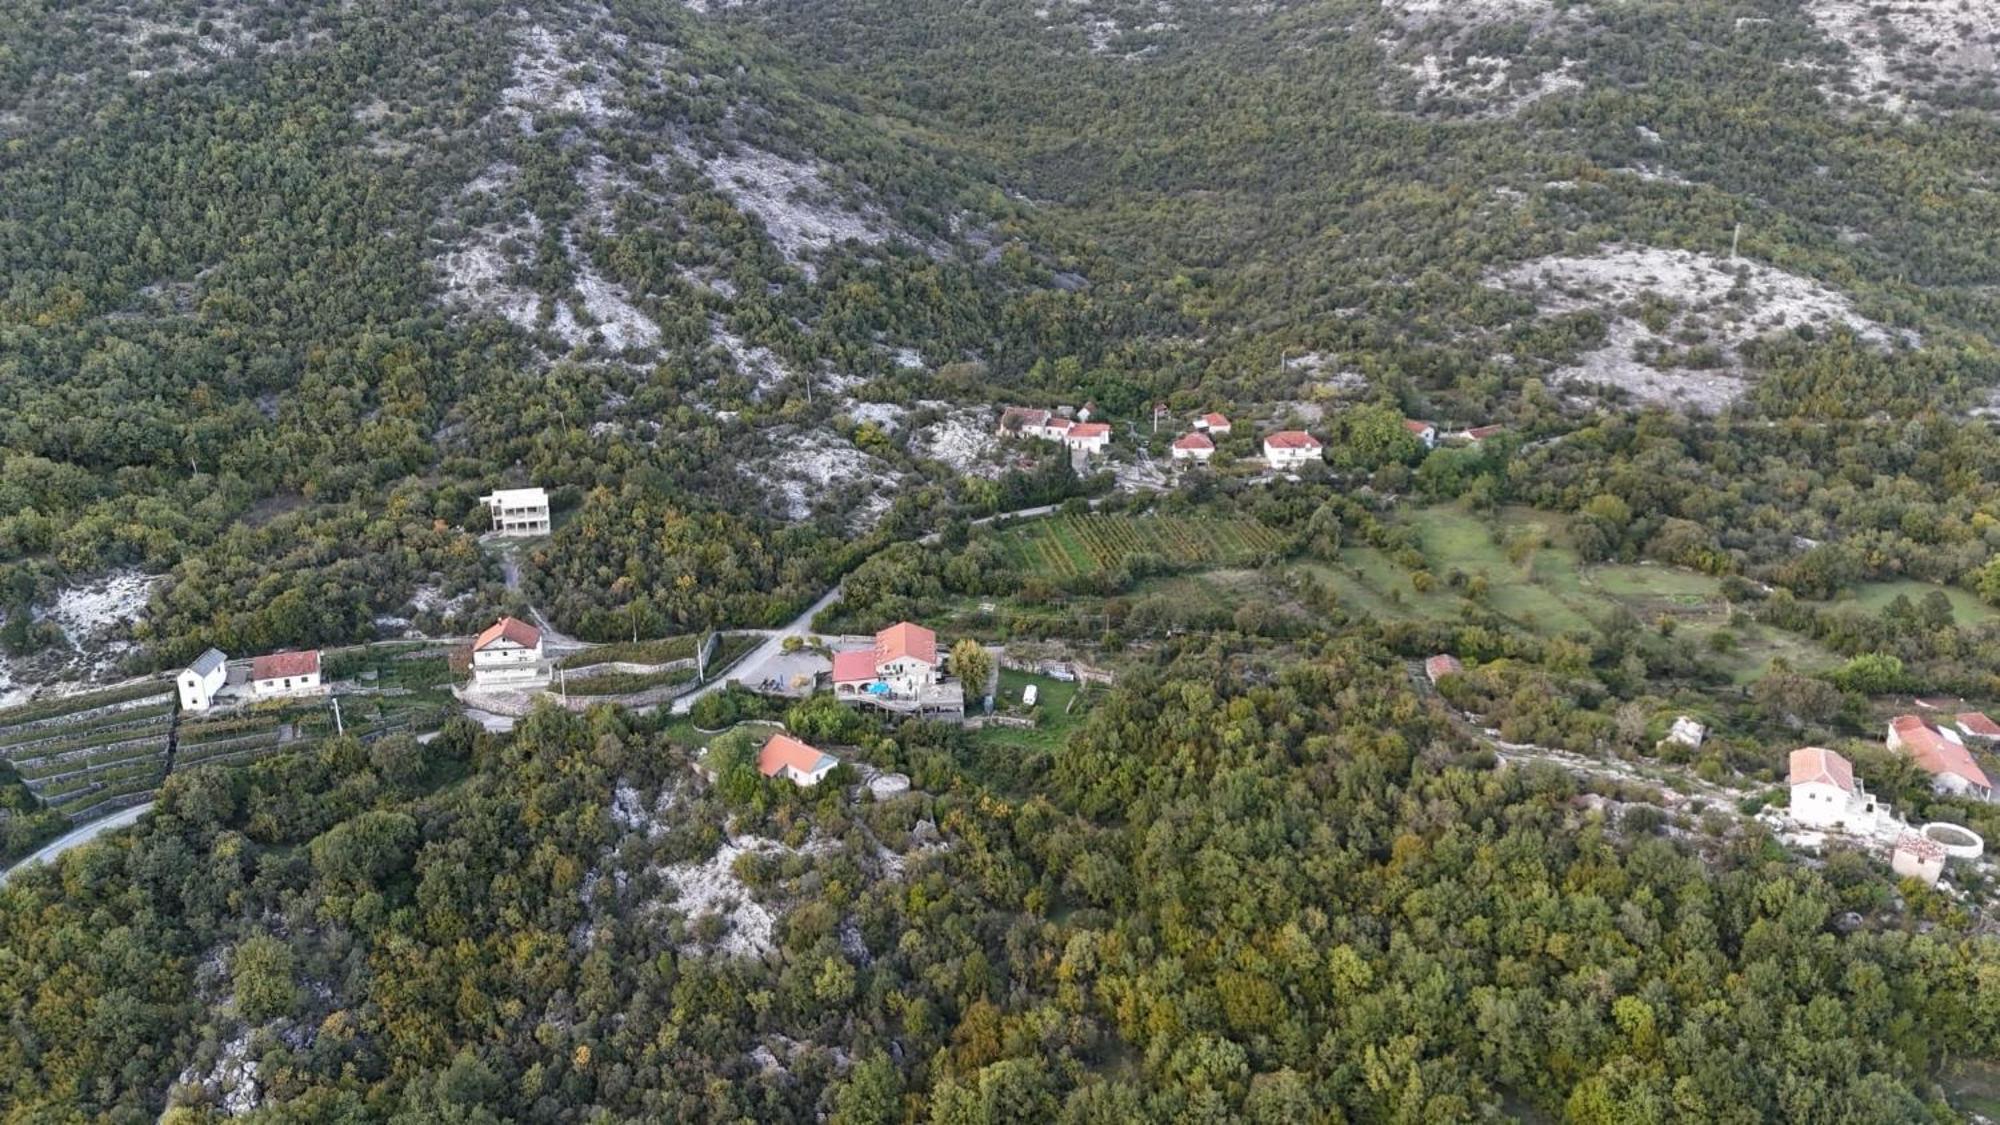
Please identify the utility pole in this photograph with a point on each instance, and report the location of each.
(1734, 240)
(339, 727)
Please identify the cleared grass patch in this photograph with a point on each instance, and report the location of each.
(1966, 608)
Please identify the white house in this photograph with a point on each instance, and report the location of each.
(1426, 432)
(1288, 449)
(198, 682)
(1194, 447)
(1212, 424)
(508, 652)
(285, 673)
(787, 757)
(519, 511)
(1091, 437)
(1826, 794)
(1940, 752)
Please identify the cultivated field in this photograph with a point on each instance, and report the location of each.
(1547, 589)
(1071, 546)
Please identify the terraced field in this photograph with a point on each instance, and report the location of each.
(1071, 546)
(85, 751)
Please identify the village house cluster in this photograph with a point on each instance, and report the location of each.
(203, 683)
(1072, 429)
(1826, 795)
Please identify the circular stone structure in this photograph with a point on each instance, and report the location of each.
(1958, 842)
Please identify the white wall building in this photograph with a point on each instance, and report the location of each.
(797, 762)
(1194, 447)
(519, 511)
(198, 682)
(1091, 437)
(1288, 449)
(285, 673)
(1426, 432)
(1826, 794)
(508, 653)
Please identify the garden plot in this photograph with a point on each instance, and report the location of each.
(1073, 546)
(1901, 51)
(1677, 319)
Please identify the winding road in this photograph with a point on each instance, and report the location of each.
(774, 643)
(76, 837)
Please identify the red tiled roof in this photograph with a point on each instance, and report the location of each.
(1921, 846)
(1976, 722)
(784, 751)
(1481, 433)
(904, 639)
(1194, 441)
(509, 629)
(851, 666)
(1934, 753)
(1062, 424)
(1292, 439)
(1416, 427)
(1018, 417)
(285, 665)
(1816, 763)
(1216, 421)
(1443, 664)
(1090, 430)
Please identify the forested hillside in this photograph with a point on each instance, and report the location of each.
(1299, 901)
(1642, 357)
(289, 286)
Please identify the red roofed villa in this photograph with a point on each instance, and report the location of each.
(508, 652)
(904, 657)
(1213, 423)
(1940, 753)
(285, 673)
(902, 671)
(1193, 447)
(796, 762)
(1288, 448)
(1091, 437)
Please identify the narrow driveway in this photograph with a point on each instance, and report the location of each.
(77, 837)
(774, 643)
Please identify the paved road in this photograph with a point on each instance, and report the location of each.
(77, 837)
(774, 643)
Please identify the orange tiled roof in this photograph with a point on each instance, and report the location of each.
(509, 629)
(1816, 763)
(784, 751)
(905, 639)
(285, 665)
